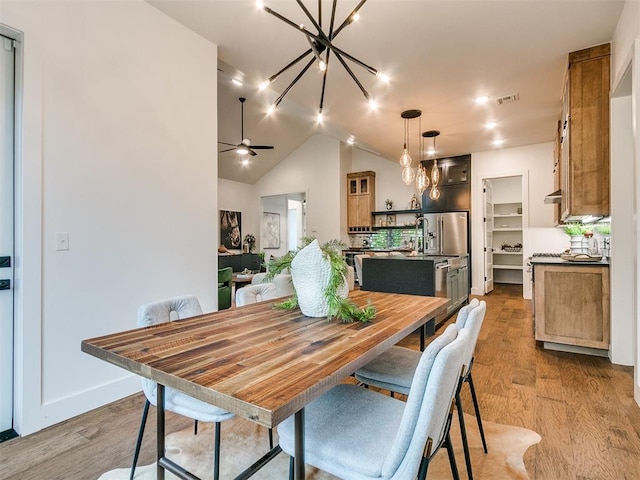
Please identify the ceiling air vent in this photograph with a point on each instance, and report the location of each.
(508, 99)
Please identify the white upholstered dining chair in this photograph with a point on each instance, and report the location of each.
(358, 434)
(177, 402)
(255, 293)
(394, 369)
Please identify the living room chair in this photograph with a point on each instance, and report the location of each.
(393, 370)
(356, 434)
(224, 288)
(255, 293)
(282, 281)
(177, 402)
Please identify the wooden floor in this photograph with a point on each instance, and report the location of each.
(582, 407)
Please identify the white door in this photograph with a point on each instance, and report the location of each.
(488, 235)
(6, 231)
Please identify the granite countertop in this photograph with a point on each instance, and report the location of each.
(558, 261)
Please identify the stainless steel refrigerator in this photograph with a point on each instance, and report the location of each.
(445, 233)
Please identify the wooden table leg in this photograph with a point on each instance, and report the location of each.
(160, 431)
(299, 445)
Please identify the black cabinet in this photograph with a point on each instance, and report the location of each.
(454, 185)
(250, 261)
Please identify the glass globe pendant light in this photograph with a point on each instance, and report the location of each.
(422, 179)
(434, 194)
(408, 175)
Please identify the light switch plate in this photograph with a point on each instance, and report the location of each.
(62, 241)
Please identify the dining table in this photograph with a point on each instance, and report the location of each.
(260, 362)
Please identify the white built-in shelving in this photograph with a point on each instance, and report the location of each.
(507, 230)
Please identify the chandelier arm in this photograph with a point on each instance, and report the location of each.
(355, 79)
(369, 68)
(289, 65)
(320, 13)
(313, 20)
(324, 80)
(333, 17)
(294, 81)
(346, 20)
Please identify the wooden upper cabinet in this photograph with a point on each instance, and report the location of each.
(586, 164)
(361, 200)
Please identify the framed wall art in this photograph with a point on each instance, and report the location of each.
(230, 233)
(270, 230)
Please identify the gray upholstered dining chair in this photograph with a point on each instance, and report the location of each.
(177, 402)
(255, 293)
(394, 369)
(341, 438)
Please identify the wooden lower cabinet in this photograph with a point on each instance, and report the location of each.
(572, 305)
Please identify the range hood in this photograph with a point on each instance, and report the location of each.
(554, 197)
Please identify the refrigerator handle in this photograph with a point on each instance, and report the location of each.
(440, 234)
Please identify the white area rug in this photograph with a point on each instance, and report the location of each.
(243, 442)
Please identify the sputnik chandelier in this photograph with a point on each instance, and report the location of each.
(321, 46)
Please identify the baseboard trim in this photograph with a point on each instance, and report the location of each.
(62, 409)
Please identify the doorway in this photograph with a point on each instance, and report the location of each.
(290, 211)
(503, 230)
(7, 159)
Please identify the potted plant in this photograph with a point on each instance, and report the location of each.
(575, 231)
(318, 273)
(389, 204)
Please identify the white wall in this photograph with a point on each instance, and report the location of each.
(625, 54)
(535, 164)
(313, 168)
(117, 141)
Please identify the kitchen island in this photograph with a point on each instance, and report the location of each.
(428, 275)
(571, 305)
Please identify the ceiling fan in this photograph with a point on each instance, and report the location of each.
(244, 147)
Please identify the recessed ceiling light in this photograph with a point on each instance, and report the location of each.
(351, 140)
(237, 81)
(245, 162)
(491, 125)
(481, 100)
(498, 142)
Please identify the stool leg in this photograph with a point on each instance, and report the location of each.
(463, 432)
(452, 457)
(477, 409)
(143, 422)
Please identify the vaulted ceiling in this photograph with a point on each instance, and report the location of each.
(439, 55)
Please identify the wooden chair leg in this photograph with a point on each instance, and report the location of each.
(136, 453)
(477, 410)
(216, 453)
(463, 432)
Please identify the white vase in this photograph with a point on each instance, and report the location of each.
(578, 244)
(310, 273)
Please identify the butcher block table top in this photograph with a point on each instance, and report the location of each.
(262, 363)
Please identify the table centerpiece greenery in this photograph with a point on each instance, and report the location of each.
(337, 304)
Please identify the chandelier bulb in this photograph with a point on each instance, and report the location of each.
(319, 117)
(260, 4)
(435, 174)
(434, 194)
(322, 66)
(271, 109)
(383, 77)
(264, 84)
(405, 158)
(408, 175)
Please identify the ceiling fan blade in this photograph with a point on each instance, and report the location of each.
(252, 153)
(262, 147)
(225, 143)
(227, 150)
